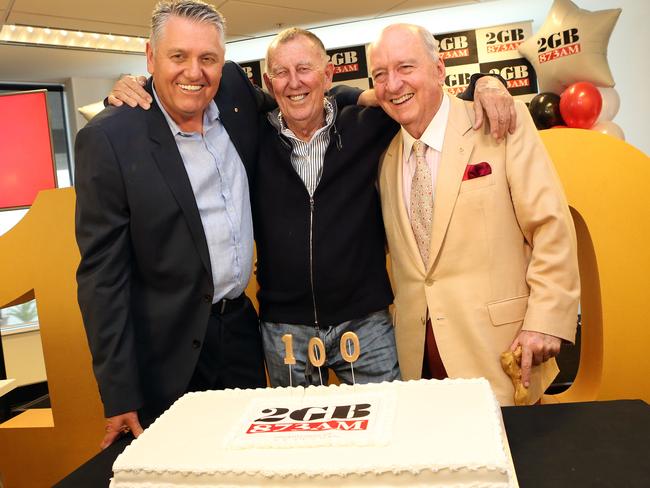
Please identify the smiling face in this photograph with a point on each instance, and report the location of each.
(186, 63)
(298, 75)
(407, 79)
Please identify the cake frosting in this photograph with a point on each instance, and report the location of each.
(416, 433)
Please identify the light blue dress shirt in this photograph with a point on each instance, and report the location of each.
(220, 187)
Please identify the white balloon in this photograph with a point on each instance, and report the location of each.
(571, 46)
(609, 128)
(611, 103)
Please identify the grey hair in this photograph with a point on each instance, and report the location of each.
(194, 10)
(428, 41)
(289, 35)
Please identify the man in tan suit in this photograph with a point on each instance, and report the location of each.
(481, 240)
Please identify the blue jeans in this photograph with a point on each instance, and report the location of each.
(377, 361)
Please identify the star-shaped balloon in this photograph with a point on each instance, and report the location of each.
(571, 46)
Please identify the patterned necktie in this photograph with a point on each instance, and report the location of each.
(421, 201)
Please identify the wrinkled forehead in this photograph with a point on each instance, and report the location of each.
(395, 47)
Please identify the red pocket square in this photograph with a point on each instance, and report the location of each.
(476, 170)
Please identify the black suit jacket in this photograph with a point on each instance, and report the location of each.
(144, 282)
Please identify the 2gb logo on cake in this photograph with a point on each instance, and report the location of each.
(312, 419)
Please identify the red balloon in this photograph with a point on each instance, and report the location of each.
(580, 105)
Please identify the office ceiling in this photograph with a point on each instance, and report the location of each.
(245, 20)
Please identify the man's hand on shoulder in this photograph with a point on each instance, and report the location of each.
(492, 97)
(130, 90)
(368, 98)
(120, 425)
(536, 348)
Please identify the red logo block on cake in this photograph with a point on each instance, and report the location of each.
(349, 425)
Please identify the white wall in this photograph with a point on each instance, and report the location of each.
(628, 57)
(84, 91)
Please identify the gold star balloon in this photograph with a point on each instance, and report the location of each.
(571, 46)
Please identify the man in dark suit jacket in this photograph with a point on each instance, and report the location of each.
(165, 257)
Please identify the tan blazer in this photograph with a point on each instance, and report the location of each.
(503, 250)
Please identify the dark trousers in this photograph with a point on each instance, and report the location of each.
(231, 353)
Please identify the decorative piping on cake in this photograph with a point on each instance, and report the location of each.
(499, 466)
(311, 473)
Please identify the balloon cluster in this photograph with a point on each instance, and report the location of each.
(569, 54)
(582, 105)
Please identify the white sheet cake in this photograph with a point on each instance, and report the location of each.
(415, 433)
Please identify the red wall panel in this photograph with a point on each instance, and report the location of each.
(26, 158)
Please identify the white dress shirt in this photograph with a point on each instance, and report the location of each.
(220, 185)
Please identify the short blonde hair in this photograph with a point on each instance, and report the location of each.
(290, 34)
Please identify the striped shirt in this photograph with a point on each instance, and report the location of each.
(307, 158)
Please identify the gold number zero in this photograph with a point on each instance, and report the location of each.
(356, 349)
(316, 343)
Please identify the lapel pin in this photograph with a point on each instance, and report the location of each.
(236, 109)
